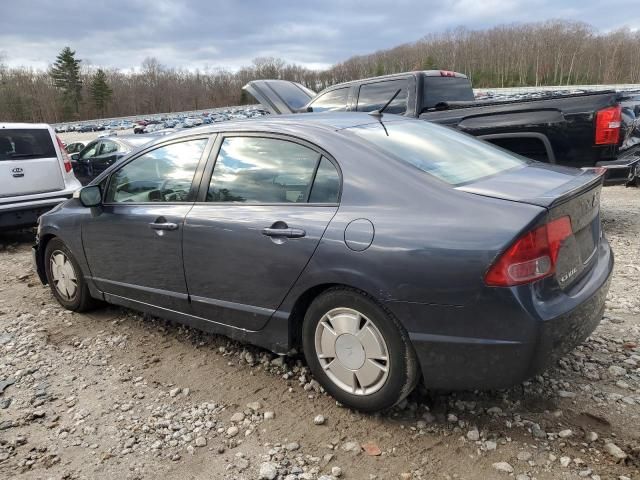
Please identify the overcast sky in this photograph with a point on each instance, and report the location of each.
(226, 33)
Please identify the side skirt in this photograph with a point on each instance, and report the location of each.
(274, 336)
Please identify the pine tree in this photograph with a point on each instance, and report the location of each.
(429, 63)
(100, 91)
(66, 76)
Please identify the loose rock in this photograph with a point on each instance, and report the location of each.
(615, 451)
(503, 467)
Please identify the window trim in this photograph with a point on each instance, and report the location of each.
(213, 158)
(211, 138)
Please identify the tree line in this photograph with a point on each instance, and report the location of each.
(548, 53)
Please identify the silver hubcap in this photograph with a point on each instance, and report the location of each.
(64, 276)
(352, 351)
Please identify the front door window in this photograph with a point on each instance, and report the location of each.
(161, 175)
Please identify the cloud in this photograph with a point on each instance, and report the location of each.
(228, 34)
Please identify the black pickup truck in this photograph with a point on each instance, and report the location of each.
(591, 129)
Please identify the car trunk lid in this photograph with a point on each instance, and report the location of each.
(564, 192)
(29, 163)
(280, 96)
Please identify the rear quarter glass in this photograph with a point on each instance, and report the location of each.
(25, 144)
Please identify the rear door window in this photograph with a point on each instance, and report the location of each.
(262, 170)
(334, 101)
(374, 96)
(25, 144)
(326, 186)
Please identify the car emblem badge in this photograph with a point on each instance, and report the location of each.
(17, 172)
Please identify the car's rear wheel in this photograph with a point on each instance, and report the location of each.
(358, 351)
(65, 278)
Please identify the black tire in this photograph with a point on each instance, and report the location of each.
(81, 300)
(402, 365)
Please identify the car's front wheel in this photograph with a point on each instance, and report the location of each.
(65, 278)
(358, 351)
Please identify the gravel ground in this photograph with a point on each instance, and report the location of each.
(115, 394)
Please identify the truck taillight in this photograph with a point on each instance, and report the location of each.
(65, 156)
(533, 256)
(447, 73)
(608, 122)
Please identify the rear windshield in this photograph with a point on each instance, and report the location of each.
(451, 156)
(446, 89)
(24, 144)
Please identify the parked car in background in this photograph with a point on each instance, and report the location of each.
(385, 248)
(154, 127)
(577, 130)
(100, 154)
(86, 128)
(74, 147)
(35, 173)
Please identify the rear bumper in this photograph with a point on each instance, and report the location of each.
(25, 214)
(623, 170)
(506, 338)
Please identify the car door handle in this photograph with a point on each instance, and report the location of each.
(163, 226)
(284, 232)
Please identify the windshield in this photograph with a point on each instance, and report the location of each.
(439, 151)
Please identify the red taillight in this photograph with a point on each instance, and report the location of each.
(608, 122)
(65, 155)
(447, 73)
(532, 257)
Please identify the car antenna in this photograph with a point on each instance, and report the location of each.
(378, 113)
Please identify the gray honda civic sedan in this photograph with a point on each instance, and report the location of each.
(386, 249)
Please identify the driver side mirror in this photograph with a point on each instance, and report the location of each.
(90, 196)
(75, 157)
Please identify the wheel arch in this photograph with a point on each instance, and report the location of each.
(304, 301)
(43, 241)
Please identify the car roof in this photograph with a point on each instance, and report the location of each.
(392, 76)
(131, 140)
(17, 126)
(290, 124)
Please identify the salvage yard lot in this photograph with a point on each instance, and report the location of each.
(114, 394)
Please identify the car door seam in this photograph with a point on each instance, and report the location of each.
(294, 283)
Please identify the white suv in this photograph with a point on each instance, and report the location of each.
(35, 173)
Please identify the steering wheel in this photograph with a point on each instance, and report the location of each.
(165, 193)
